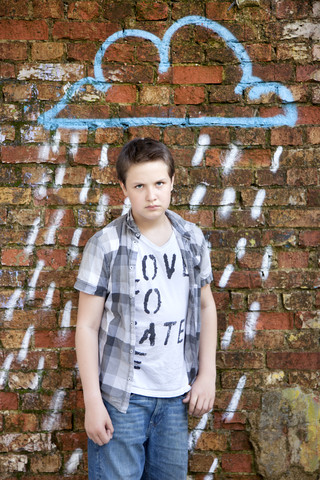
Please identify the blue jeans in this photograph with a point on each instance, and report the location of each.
(150, 442)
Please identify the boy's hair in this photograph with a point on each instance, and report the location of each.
(141, 150)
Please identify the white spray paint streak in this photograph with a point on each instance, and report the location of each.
(2, 137)
(197, 197)
(73, 462)
(257, 204)
(34, 279)
(48, 300)
(103, 162)
(85, 189)
(101, 210)
(202, 145)
(213, 467)
(50, 239)
(41, 189)
(12, 304)
(74, 141)
(73, 250)
(44, 152)
(227, 201)
(56, 406)
(226, 275)
(226, 339)
(196, 433)
(251, 321)
(126, 206)
(241, 248)
(233, 156)
(232, 407)
(32, 236)
(5, 370)
(60, 173)
(56, 142)
(266, 262)
(25, 344)
(66, 316)
(276, 160)
(37, 378)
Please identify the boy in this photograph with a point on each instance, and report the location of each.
(144, 283)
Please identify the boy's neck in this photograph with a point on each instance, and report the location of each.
(157, 232)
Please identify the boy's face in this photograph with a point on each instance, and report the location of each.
(148, 186)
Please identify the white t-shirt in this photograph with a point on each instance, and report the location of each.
(162, 288)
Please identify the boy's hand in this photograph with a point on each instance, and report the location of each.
(98, 424)
(201, 396)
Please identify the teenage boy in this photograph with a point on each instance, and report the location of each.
(146, 329)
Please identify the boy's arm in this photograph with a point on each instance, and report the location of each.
(97, 421)
(202, 393)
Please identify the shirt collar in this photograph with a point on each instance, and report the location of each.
(177, 222)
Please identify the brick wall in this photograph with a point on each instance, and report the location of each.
(247, 173)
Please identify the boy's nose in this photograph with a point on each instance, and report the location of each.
(150, 194)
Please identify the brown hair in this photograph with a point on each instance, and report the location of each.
(141, 150)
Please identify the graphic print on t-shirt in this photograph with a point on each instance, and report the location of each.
(162, 288)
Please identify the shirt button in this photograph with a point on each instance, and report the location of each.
(131, 351)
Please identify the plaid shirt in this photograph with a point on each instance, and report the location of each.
(108, 269)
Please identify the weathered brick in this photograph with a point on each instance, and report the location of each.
(293, 361)
(82, 10)
(150, 10)
(97, 31)
(47, 51)
(236, 462)
(200, 74)
(23, 30)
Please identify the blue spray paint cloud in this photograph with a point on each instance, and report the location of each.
(255, 85)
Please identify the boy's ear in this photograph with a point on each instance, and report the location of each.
(172, 182)
(123, 187)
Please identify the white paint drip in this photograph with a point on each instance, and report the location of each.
(101, 209)
(50, 238)
(48, 300)
(232, 407)
(213, 467)
(12, 304)
(241, 248)
(2, 137)
(266, 262)
(251, 321)
(227, 201)
(73, 462)
(41, 190)
(34, 279)
(25, 344)
(32, 236)
(37, 378)
(226, 275)
(196, 433)
(5, 370)
(56, 142)
(74, 141)
(103, 162)
(44, 152)
(56, 405)
(233, 156)
(257, 204)
(85, 189)
(60, 173)
(226, 339)
(202, 145)
(73, 250)
(65, 322)
(126, 206)
(276, 160)
(197, 197)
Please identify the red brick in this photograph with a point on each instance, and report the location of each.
(54, 339)
(47, 51)
(30, 154)
(286, 9)
(15, 257)
(189, 95)
(151, 10)
(293, 361)
(198, 74)
(83, 10)
(286, 136)
(121, 94)
(309, 238)
(113, 9)
(294, 218)
(21, 422)
(23, 30)
(308, 115)
(8, 401)
(236, 462)
(84, 30)
(293, 259)
(16, 8)
(48, 8)
(13, 51)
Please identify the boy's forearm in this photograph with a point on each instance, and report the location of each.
(87, 357)
(208, 336)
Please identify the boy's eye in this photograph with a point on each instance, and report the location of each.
(138, 187)
(159, 184)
